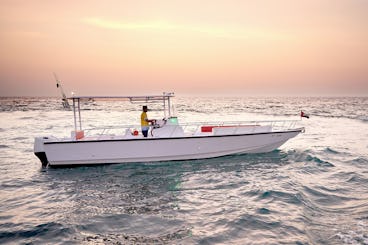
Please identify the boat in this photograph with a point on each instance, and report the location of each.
(167, 140)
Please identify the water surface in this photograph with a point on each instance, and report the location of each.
(313, 190)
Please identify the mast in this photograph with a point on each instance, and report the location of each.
(65, 102)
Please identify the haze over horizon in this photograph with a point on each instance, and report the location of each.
(189, 47)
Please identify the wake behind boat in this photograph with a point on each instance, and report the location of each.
(167, 139)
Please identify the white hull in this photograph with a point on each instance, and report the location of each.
(88, 152)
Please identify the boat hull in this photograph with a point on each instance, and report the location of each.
(89, 152)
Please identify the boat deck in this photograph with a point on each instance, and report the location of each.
(173, 131)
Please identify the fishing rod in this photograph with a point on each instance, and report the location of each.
(64, 99)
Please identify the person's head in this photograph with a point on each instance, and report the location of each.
(145, 109)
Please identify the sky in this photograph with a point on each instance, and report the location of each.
(210, 47)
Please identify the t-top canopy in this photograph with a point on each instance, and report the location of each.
(148, 98)
(165, 98)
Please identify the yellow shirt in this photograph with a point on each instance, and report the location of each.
(143, 119)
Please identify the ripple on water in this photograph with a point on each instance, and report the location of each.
(273, 195)
(312, 164)
(325, 198)
(123, 228)
(26, 118)
(358, 179)
(331, 151)
(359, 161)
(43, 233)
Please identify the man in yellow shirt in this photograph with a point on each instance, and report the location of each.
(145, 121)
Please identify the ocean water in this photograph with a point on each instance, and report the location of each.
(313, 190)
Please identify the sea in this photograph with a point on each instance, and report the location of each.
(312, 190)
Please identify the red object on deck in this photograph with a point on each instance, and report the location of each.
(206, 129)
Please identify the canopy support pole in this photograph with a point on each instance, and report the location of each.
(80, 118)
(169, 106)
(75, 116)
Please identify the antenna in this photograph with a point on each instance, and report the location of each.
(65, 102)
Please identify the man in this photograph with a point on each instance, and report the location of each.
(145, 121)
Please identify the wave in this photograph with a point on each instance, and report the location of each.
(357, 178)
(360, 161)
(19, 138)
(323, 197)
(329, 150)
(306, 156)
(47, 231)
(283, 196)
(178, 235)
(26, 118)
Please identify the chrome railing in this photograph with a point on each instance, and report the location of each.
(195, 128)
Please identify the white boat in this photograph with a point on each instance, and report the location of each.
(167, 139)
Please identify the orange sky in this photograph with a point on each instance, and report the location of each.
(190, 47)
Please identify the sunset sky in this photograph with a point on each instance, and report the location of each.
(189, 47)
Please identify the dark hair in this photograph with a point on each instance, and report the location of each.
(144, 107)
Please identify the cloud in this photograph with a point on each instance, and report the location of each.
(128, 26)
(228, 32)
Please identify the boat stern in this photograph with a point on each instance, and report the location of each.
(39, 150)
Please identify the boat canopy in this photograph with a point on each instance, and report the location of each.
(164, 98)
(146, 98)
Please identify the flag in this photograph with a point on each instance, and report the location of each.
(302, 114)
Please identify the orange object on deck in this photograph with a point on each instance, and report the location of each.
(79, 134)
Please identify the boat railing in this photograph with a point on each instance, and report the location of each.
(234, 127)
(197, 128)
(109, 131)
